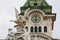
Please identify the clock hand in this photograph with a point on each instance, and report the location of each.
(35, 18)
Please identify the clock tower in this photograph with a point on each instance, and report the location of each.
(35, 22)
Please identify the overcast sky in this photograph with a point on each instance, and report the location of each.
(7, 13)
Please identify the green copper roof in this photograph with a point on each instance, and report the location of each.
(36, 1)
(37, 4)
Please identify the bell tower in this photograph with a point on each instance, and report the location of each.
(35, 22)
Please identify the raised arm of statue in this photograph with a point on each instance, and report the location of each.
(17, 13)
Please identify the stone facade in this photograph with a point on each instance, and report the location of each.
(35, 22)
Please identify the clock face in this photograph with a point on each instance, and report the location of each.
(35, 18)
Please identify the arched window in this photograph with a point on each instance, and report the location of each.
(39, 29)
(31, 29)
(45, 29)
(26, 28)
(35, 28)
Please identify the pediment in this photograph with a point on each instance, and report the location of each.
(28, 12)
